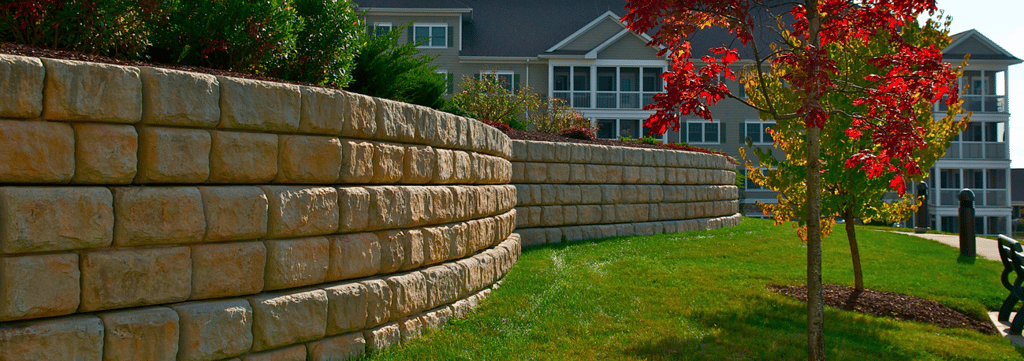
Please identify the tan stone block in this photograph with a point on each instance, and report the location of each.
(630, 174)
(378, 302)
(158, 215)
(463, 131)
(419, 201)
(420, 163)
(36, 152)
(347, 308)
(609, 213)
(382, 337)
(392, 250)
(237, 157)
(446, 130)
(388, 162)
(616, 155)
(410, 328)
(389, 208)
(105, 153)
(234, 213)
(21, 79)
(408, 240)
(308, 159)
(535, 172)
(38, 219)
(441, 285)
(296, 262)
(439, 206)
(356, 161)
(297, 211)
(140, 334)
(214, 330)
(258, 105)
(360, 118)
(353, 209)
(518, 173)
(322, 110)
(341, 348)
(408, 294)
(294, 353)
(38, 286)
(178, 98)
(353, 255)
(66, 338)
(227, 269)
(436, 247)
(445, 166)
(396, 120)
(287, 318)
(120, 278)
(173, 155)
(540, 151)
(463, 168)
(82, 91)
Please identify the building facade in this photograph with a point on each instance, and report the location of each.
(580, 51)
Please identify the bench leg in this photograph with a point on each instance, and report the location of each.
(1008, 303)
(1018, 324)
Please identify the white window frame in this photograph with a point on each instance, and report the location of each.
(381, 25)
(704, 123)
(430, 38)
(449, 81)
(511, 86)
(764, 134)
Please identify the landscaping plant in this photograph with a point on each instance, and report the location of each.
(326, 47)
(386, 69)
(488, 98)
(552, 115)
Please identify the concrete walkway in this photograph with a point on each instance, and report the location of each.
(984, 247)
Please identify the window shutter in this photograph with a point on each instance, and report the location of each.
(451, 36)
(721, 131)
(682, 132)
(412, 38)
(515, 82)
(450, 78)
(743, 136)
(369, 30)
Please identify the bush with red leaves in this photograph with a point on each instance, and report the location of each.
(501, 126)
(578, 133)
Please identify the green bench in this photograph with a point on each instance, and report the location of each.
(1012, 255)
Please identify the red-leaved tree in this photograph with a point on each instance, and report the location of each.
(791, 48)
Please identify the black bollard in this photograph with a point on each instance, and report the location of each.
(921, 222)
(967, 248)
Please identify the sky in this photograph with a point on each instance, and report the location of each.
(1000, 21)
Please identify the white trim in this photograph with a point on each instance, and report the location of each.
(415, 11)
(495, 59)
(430, 26)
(703, 141)
(763, 124)
(984, 40)
(584, 29)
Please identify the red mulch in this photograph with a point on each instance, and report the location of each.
(893, 305)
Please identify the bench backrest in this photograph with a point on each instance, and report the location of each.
(1010, 253)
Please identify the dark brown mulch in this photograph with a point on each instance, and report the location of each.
(893, 305)
(546, 137)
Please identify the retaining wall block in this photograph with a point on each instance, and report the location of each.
(296, 262)
(408, 294)
(214, 330)
(552, 235)
(446, 130)
(22, 79)
(308, 159)
(105, 153)
(178, 98)
(518, 173)
(353, 255)
(462, 168)
(439, 210)
(356, 161)
(258, 105)
(463, 130)
(340, 348)
(407, 241)
(410, 328)
(37, 286)
(82, 91)
(419, 202)
(382, 337)
(347, 308)
(36, 152)
(281, 319)
(445, 166)
(227, 269)
(396, 120)
(360, 118)
(39, 219)
(119, 278)
(388, 207)
(296, 211)
(609, 213)
(294, 353)
(322, 110)
(140, 334)
(239, 157)
(353, 209)
(388, 162)
(569, 215)
(420, 163)
(68, 338)
(436, 246)
(234, 213)
(158, 215)
(173, 155)
(442, 287)
(378, 302)
(577, 173)
(632, 157)
(426, 126)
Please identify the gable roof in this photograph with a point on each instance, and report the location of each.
(979, 46)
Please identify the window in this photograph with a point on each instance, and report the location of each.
(572, 84)
(449, 81)
(749, 184)
(433, 35)
(701, 132)
(756, 132)
(981, 140)
(983, 91)
(627, 87)
(506, 78)
(615, 128)
(381, 28)
(989, 186)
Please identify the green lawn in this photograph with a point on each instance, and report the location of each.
(702, 296)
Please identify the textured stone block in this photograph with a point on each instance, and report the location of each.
(360, 118)
(442, 286)
(308, 159)
(214, 330)
(410, 241)
(173, 155)
(36, 152)
(420, 163)
(38, 286)
(294, 353)
(70, 338)
(518, 173)
(258, 105)
(135, 277)
(382, 337)
(178, 98)
(21, 79)
(396, 120)
(353, 209)
(229, 269)
(288, 318)
(105, 153)
(353, 255)
(347, 308)
(436, 247)
(81, 91)
(39, 219)
(378, 302)
(388, 162)
(296, 262)
(389, 207)
(356, 161)
(237, 157)
(410, 328)
(409, 294)
(445, 166)
(140, 334)
(322, 110)
(301, 211)
(158, 215)
(234, 213)
(438, 207)
(341, 348)
(535, 172)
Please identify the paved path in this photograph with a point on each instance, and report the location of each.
(987, 248)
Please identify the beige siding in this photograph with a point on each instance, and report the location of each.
(595, 36)
(629, 47)
(447, 58)
(973, 46)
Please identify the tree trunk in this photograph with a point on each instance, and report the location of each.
(851, 235)
(815, 304)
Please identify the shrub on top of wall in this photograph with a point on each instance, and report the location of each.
(326, 47)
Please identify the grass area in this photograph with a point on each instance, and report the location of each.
(702, 296)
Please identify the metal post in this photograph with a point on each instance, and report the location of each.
(921, 223)
(967, 243)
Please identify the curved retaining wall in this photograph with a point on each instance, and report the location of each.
(569, 191)
(163, 215)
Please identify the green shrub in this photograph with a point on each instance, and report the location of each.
(554, 114)
(326, 47)
(385, 69)
(487, 98)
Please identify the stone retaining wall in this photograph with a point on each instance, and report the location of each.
(570, 191)
(163, 215)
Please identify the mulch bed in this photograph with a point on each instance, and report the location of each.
(891, 304)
